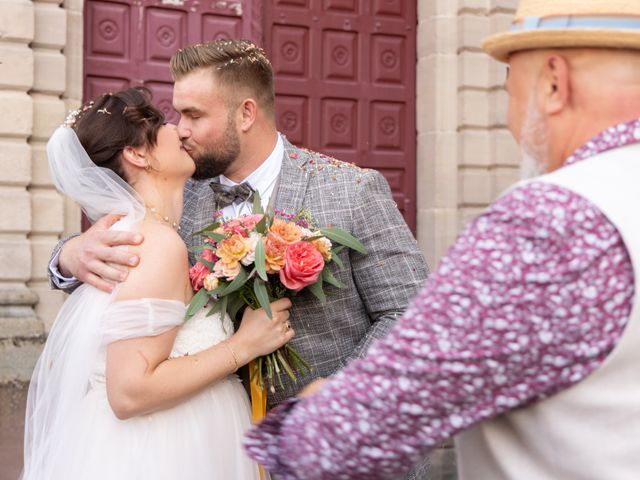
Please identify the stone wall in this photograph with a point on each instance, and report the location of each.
(40, 77)
(466, 156)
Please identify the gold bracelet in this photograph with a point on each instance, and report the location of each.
(233, 354)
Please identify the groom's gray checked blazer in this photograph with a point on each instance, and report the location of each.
(379, 285)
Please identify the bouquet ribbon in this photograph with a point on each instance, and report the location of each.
(258, 397)
(258, 403)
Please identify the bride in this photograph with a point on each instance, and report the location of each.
(125, 388)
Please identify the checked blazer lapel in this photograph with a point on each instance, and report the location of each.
(293, 180)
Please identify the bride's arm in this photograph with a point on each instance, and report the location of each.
(140, 376)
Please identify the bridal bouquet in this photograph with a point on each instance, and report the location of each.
(255, 259)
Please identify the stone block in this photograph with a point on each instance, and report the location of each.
(16, 21)
(437, 94)
(479, 7)
(472, 29)
(15, 258)
(436, 229)
(474, 108)
(15, 163)
(506, 152)
(15, 210)
(499, 101)
(475, 148)
(50, 26)
(506, 5)
(474, 70)
(437, 171)
(48, 114)
(41, 248)
(500, 22)
(50, 72)
(72, 217)
(39, 165)
(74, 52)
(436, 8)
(17, 113)
(476, 187)
(48, 211)
(503, 179)
(16, 69)
(74, 5)
(438, 36)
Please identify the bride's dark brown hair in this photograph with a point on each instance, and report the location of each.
(115, 121)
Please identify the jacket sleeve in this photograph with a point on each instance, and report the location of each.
(56, 280)
(394, 269)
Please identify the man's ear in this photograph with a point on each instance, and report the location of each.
(135, 156)
(248, 114)
(556, 85)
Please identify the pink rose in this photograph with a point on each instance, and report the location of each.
(199, 271)
(302, 267)
(250, 221)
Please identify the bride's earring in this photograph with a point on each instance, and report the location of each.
(147, 167)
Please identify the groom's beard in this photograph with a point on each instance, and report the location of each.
(534, 143)
(219, 156)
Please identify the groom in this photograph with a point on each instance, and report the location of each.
(225, 96)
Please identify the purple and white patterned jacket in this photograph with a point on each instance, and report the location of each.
(531, 299)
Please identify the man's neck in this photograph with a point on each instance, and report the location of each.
(253, 155)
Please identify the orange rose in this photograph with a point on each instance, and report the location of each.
(302, 267)
(231, 250)
(274, 253)
(286, 232)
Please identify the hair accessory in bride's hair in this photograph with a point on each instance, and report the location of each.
(104, 111)
(74, 115)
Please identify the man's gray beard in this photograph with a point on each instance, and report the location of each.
(534, 143)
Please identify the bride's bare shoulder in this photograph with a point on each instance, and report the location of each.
(164, 265)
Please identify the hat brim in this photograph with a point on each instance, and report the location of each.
(501, 45)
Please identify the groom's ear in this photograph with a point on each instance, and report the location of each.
(135, 156)
(248, 114)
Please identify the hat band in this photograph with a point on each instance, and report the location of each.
(564, 22)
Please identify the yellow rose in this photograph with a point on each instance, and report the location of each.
(231, 250)
(323, 245)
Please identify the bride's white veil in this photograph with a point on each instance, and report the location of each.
(62, 375)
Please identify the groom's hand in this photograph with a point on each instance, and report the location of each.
(93, 258)
(313, 387)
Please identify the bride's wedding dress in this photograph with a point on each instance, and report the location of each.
(71, 433)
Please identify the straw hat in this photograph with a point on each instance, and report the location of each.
(569, 23)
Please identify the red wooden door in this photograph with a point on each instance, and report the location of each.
(345, 83)
(130, 42)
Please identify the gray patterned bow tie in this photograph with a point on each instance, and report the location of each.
(226, 195)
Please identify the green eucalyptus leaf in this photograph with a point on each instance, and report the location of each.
(342, 237)
(198, 301)
(262, 295)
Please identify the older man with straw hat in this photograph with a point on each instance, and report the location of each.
(525, 344)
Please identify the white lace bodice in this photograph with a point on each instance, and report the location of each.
(200, 332)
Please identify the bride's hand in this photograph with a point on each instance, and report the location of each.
(258, 335)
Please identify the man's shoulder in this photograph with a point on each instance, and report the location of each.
(321, 166)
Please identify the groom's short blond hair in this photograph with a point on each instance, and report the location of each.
(235, 63)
